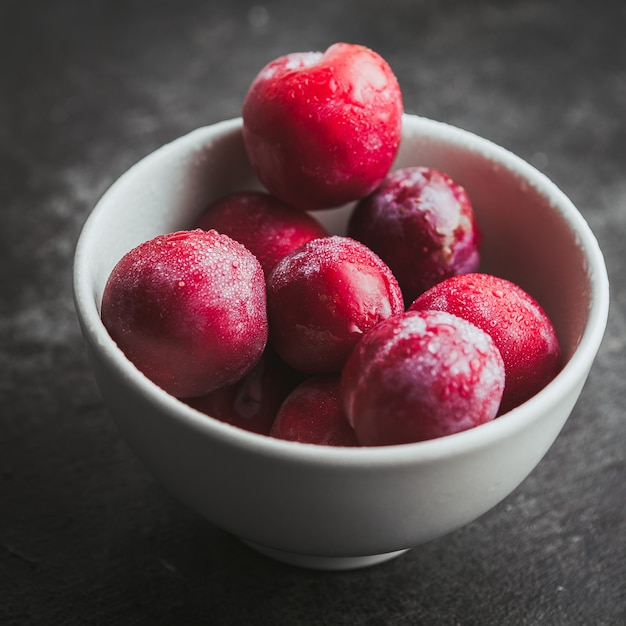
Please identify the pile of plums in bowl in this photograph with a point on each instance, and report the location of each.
(333, 329)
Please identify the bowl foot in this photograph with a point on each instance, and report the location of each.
(324, 562)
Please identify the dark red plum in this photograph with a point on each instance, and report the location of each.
(422, 224)
(266, 226)
(252, 402)
(313, 413)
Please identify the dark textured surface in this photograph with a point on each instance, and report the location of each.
(86, 89)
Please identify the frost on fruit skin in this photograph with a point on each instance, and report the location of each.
(422, 224)
(516, 322)
(421, 375)
(265, 225)
(323, 297)
(313, 413)
(189, 310)
(323, 129)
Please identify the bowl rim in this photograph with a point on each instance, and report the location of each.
(572, 374)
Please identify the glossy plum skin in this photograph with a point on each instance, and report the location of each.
(253, 401)
(419, 376)
(422, 224)
(323, 129)
(323, 297)
(313, 413)
(516, 322)
(266, 226)
(189, 310)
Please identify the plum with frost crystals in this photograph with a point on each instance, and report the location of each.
(189, 310)
(517, 323)
(421, 375)
(323, 297)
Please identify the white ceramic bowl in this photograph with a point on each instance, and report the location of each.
(335, 508)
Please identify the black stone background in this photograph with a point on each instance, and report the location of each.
(89, 87)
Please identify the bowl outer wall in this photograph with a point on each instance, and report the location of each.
(327, 501)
